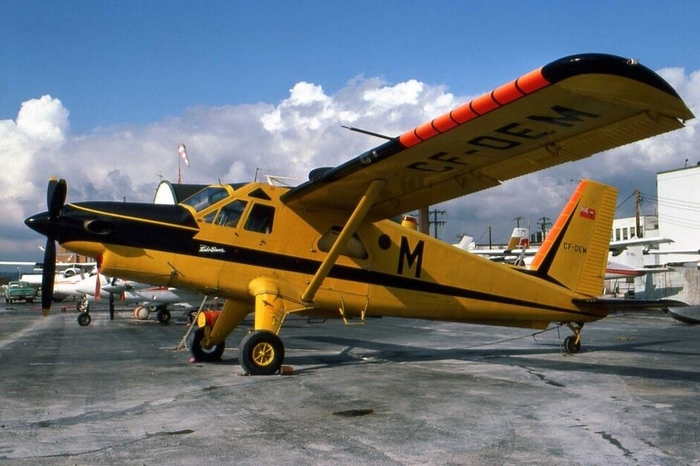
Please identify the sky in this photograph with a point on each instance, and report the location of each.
(101, 93)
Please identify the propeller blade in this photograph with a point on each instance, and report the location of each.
(56, 196)
(48, 276)
(111, 306)
(98, 284)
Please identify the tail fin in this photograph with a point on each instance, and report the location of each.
(517, 237)
(575, 252)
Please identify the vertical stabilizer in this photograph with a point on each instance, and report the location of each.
(517, 237)
(575, 252)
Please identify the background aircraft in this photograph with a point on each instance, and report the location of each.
(325, 247)
(147, 298)
(625, 258)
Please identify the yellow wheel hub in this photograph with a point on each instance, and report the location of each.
(263, 354)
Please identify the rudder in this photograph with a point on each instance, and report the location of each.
(575, 252)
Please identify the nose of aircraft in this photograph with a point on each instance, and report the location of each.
(42, 223)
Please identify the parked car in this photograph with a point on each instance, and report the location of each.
(16, 291)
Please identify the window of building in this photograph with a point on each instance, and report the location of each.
(624, 233)
(617, 234)
(632, 232)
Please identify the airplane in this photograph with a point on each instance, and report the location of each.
(628, 254)
(327, 247)
(148, 297)
(518, 245)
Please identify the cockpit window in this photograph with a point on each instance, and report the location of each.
(206, 197)
(230, 214)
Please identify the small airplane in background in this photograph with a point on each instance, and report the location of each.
(628, 255)
(147, 297)
(327, 247)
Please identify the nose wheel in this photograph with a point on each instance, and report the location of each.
(84, 319)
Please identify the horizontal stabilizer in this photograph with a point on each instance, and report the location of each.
(619, 304)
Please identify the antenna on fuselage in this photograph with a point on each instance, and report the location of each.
(370, 133)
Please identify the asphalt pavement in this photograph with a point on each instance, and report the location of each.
(392, 391)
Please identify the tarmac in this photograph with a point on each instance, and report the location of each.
(392, 391)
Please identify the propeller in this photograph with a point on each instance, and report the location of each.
(55, 198)
(111, 300)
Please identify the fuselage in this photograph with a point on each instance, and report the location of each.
(218, 245)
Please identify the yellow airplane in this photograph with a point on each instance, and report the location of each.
(326, 247)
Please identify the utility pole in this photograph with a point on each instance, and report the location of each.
(424, 220)
(544, 222)
(637, 204)
(435, 221)
(517, 221)
(490, 242)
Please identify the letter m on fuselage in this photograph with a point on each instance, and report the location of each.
(410, 258)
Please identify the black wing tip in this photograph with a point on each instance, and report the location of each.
(601, 63)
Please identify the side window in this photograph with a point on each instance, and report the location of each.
(260, 218)
(354, 248)
(209, 218)
(230, 214)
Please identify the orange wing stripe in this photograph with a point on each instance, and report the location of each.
(426, 131)
(507, 93)
(463, 114)
(531, 82)
(503, 95)
(444, 122)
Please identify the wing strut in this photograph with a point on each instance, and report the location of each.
(348, 230)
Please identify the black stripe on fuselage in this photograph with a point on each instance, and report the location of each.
(173, 239)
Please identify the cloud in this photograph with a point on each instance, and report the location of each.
(289, 138)
(39, 130)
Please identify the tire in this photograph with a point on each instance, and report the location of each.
(570, 347)
(202, 354)
(163, 316)
(261, 353)
(84, 319)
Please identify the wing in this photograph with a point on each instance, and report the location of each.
(567, 110)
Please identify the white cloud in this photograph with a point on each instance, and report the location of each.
(39, 129)
(302, 132)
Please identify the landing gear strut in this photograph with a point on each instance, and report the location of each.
(83, 308)
(261, 353)
(572, 343)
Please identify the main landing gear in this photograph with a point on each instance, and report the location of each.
(261, 353)
(572, 343)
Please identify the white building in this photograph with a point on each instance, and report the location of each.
(678, 202)
(626, 228)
